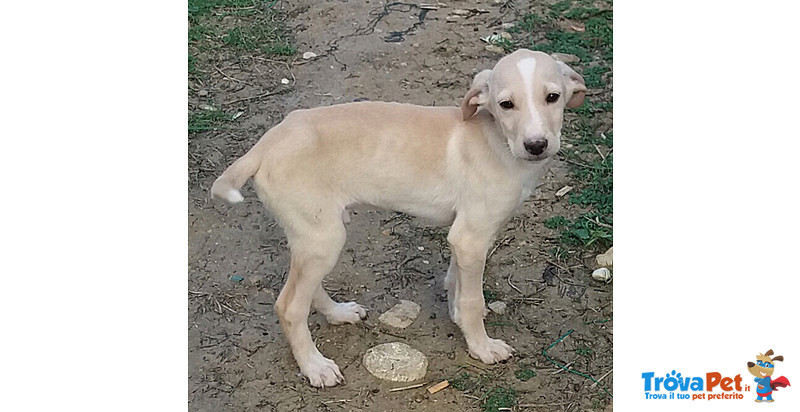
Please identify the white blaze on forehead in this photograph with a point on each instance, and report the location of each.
(527, 67)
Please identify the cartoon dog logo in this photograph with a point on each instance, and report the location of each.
(763, 370)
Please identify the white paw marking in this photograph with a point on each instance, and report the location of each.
(321, 371)
(491, 351)
(347, 312)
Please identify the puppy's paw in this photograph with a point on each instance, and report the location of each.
(321, 372)
(347, 312)
(491, 351)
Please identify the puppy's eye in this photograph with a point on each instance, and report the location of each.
(507, 104)
(552, 97)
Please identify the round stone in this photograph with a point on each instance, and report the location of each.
(396, 362)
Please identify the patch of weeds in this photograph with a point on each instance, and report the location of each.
(599, 180)
(588, 111)
(528, 23)
(202, 7)
(582, 13)
(499, 397)
(207, 120)
(593, 76)
(490, 295)
(558, 9)
(597, 38)
(584, 351)
(524, 372)
(192, 65)
(259, 37)
(564, 42)
(585, 231)
(556, 222)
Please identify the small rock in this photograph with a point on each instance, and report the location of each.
(506, 26)
(563, 191)
(309, 55)
(602, 274)
(396, 361)
(284, 81)
(401, 315)
(498, 307)
(451, 18)
(208, 108)
(202, 93)
(495, 49)
(461, 12)
(566, 58)
(506, 35)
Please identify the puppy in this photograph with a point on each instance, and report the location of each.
(468, 167)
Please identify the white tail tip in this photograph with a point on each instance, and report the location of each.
(234, 196)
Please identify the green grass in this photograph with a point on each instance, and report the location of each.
(499, 397)
(493, 396)
(584, 351)
(524, 372)
(256, 30)
(259, 37)
(207, 120)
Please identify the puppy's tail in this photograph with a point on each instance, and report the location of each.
(227, 186)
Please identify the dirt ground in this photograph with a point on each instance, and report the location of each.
(238, 358)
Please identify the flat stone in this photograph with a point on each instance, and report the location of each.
(494, 49)
(396, 362)
(498, 307)
(566, 58)
(401, 315)
(309, 55)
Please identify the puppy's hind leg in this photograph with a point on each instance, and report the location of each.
(315, 250)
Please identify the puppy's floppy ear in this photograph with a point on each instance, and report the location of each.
(477, 94)
(769, 353)
(777, 358)
(576, 88)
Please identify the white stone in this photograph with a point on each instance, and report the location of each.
(309, 55)
(401, 315)
(396, 362)
(498, 307)
(566, 58)
(494, 49)
(602, 274)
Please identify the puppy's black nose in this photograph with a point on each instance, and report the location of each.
(750, 364)
(536, 147)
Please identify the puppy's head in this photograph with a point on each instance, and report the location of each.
(526, 92)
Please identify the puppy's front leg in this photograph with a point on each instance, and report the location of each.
(469, 249)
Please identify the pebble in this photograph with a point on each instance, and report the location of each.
(495, 49)
(602, 274)
(401, 315)
(498, 307)
(396, 362)
(284, 81)
(202, 93)
(309, 55)
(566, 58)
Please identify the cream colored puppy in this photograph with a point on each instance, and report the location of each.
(469, 167)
